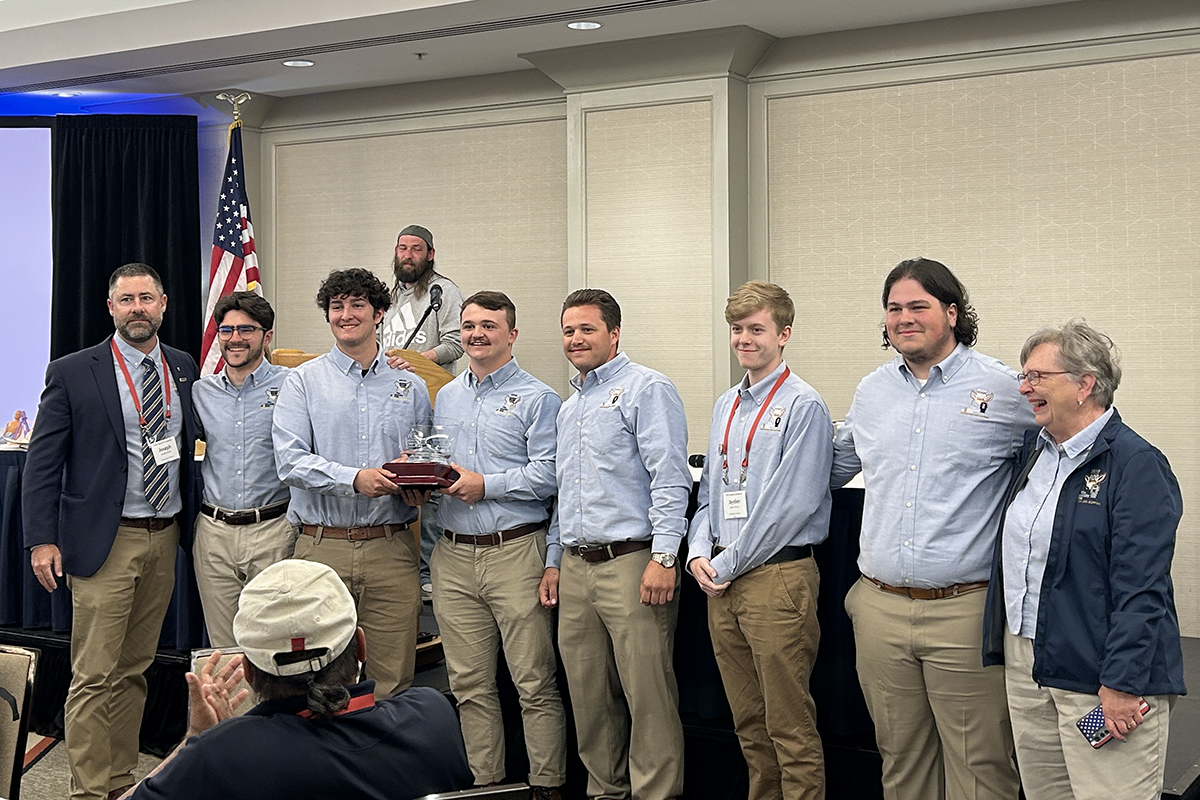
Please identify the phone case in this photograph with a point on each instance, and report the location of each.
(1091, 725)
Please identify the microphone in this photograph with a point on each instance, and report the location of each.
(435, 297)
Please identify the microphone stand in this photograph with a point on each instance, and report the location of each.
(434, 305)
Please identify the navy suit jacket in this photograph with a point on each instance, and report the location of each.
(75, 475)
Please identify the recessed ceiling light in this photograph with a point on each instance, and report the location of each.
(68, 94)
(298, 62)
(583, 26)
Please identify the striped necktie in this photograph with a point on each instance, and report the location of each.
(155, 475)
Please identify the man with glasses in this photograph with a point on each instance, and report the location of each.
(935, 432)
(242, 528)
(110, 491)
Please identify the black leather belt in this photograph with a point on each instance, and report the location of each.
(490, 539)
(791, 552)
(147, 523)
(247, 517)
(594, 553)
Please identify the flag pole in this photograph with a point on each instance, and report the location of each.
(234, 263)
(236, 101)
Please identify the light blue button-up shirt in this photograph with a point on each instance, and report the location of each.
(136, 506)
(788, 471)
(239, 459)
(330, 422)
(1029, 523)
(936, 461)
(622, 461)
(504, 429)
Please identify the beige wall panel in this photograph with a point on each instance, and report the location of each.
(648, 173)
(494, 198)
(1052, 194)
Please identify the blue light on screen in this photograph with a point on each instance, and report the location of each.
(25, 267)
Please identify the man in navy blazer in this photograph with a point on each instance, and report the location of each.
(110, 491)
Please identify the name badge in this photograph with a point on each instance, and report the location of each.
(165, 451)
(734, 504)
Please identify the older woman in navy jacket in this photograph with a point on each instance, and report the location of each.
(1081, 609)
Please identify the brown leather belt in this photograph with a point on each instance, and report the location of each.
(490, 539)
(147, 523)
(595, 553)
(791, 552)
(929, 594)
(353, 534)
(246, 517)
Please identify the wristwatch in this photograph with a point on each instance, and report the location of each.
(664, 560)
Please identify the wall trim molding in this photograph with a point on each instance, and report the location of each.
(419, 121)
(728, 206)
(426, 121)
(863, 75)
(979, 63)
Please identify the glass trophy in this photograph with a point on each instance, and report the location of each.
(425, 463)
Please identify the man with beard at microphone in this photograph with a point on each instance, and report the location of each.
(417, 287)
(424, 317)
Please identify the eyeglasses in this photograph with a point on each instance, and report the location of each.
(1034, 377)
(245, 331)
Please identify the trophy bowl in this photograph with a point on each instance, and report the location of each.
(425, 462)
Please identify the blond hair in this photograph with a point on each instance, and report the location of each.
(755, 295)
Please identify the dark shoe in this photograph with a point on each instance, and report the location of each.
(546, 793)
(115, 793)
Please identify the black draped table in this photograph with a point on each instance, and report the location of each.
(713, 761)
(26, 605)
(27, 611)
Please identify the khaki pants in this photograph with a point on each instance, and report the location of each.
(227, 557)
(381, 575)
(486, 597)
(941, 717)
(617, 654)
(1056, 762)
(764, 633)
(117, 617)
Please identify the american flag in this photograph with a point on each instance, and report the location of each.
(1091, 725)
(234, 266)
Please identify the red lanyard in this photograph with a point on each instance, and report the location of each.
(137, 405)
(737, 401)
(355, 704)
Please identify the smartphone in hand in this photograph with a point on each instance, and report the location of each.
(1091, 725)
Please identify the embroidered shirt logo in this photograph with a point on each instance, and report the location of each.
(613, 396)
(272, 396)
(774, 420)
(402, 388)
(979, 403)
(1091, 487)
(510, 404)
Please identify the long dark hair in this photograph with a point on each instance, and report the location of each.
(937, 279)
(325, 689)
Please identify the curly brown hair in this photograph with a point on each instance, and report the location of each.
(355, 282)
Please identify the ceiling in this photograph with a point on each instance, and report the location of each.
(102, 48)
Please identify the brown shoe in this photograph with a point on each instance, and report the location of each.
(546, 793)
(116, 793)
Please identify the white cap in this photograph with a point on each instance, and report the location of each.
(294, 606)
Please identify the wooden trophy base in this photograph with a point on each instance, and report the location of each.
(421, 474)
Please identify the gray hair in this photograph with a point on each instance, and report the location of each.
(1082, 350)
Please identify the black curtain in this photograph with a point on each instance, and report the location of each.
(126, 188)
